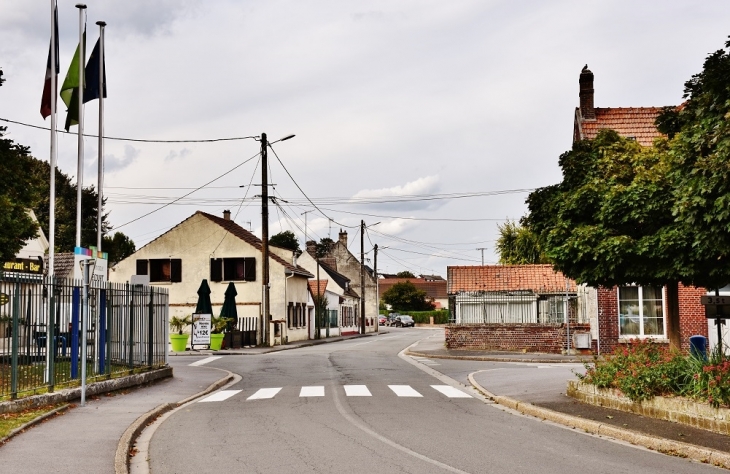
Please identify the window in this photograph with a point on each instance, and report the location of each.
(233, 269)
(641, 311)
(161, 269)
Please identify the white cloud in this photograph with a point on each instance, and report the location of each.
(113, 163)
(405, 197)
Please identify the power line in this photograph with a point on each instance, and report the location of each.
(412, 218)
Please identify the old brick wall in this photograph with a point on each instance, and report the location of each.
(510, 337)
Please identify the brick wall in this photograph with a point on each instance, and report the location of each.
(691, 316)
(510, 337)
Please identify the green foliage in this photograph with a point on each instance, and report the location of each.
(518, 245)
(440, 316)
(178, 324)
(219, 324)
(405, 296)
(324, 247)
(286, 240)
(19, 192)
(710, 380)
(405, 274)
(118, 247)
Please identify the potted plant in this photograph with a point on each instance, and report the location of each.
(218, 326)
(179, 340)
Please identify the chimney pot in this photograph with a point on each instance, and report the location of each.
(587, 110)
(343, 237)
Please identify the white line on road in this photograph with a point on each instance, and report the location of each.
(220, 396)
(357, 391)
(204, 361)
(317, 391)
(404, 391)
(451, 392)
(264, 393)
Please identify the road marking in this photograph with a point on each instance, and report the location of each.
(317, 391)
(357, 391)
(264, 393)
(451, 392)
(220, 396)
(404, 391)
(204, 361)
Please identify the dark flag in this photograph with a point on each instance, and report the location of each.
(72, 84)
(91, 86)
(46, 99)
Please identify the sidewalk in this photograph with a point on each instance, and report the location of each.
(523, 389)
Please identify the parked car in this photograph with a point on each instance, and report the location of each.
(381, 320)
(404, 321)
(391, 319)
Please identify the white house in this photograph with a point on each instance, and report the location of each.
(215, 248)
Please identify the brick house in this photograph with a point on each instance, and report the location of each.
(515, 307)
(435, 288)
(629, 311)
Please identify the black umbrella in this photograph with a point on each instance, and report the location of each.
(229, 306)
(204, 306)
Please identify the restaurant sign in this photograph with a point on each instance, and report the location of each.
(24, 265)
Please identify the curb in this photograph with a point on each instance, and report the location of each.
(33, 422)
(129, 437)
(495, 359)
(661, 445)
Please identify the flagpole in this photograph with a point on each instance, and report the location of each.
(100, 161)
(52, 200)
(80, 162)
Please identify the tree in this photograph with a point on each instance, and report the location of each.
(118, 247)
(518, 245)
(324, 247)
(405, 296)
(405, 274)
(19, 192)
(286, 240)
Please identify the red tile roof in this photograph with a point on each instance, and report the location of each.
(537, 278)
(317, 287)
(636, 122)
(433, 289)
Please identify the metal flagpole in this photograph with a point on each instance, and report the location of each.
(80, 161)
(52, 200)
(100, 161)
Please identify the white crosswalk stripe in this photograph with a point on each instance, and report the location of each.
(357, 391)
(264, 393)
(451, 392)
(204, 361)
(404, 391)
(220, 396)
(317, 391)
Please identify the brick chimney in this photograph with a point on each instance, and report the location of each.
(343, 237)
(227, 215)
(311, 247)
(587, 110)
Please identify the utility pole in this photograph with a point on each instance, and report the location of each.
(377, 285)
(265, 310)
(482, 249)
(305, 227)
(362, 277)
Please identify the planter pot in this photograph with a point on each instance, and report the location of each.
(216, 341)
(179, 342)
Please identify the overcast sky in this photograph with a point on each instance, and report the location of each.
(399, 101)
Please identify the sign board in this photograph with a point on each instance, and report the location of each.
(99, 277)
(4, 299)
(140, 280)
(716, 307)
(201, 329)
(715, 300)
(24, 265)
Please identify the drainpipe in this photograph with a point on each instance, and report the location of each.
(286, 305)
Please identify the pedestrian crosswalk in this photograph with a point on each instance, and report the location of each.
(404, 391)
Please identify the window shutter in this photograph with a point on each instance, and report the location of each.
(142, 267)
(175, 270)
(216, 269)
(249, 269)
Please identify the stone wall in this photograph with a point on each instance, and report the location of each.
(511, 337)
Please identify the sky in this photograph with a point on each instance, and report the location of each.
(429, 120)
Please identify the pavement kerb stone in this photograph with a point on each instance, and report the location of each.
(494, 358)
(129, 437)
(33, 422)
(665, 446)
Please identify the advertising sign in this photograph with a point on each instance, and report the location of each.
(201, 329)
(24, 265)
(98, 278)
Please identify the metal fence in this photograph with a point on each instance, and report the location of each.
(516, 307)
(126, 331)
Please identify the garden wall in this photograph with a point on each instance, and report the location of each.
(676, 409)
(511, 337)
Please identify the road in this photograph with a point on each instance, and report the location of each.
(356, 407)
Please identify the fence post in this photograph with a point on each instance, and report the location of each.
(101, 311)
(14, 362)
(51, 334)
(75, 307)
(151, 328)
(107, 335)
(131, 327)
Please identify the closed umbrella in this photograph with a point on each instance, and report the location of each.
(204, 306)
(229, 306)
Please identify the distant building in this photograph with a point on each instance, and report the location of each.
(435, 289)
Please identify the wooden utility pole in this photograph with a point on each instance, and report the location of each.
(362, 277)
(265, 310)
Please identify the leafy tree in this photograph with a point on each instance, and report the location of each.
(286, 240)
(518, 245)
(118, 247)
(324, 247)
(405, 274)
(405, 296)
(18, 193)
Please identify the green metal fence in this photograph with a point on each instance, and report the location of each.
(126, 331)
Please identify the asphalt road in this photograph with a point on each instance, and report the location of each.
(356, 406)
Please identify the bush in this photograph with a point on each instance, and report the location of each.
(440, 316)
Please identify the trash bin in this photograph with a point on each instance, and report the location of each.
(698, 346)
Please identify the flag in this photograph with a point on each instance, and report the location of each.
(46, 98)
(91, 89)
(70, 87)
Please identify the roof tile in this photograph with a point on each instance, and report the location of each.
(537, 278)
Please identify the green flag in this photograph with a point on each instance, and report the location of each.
(70, 87)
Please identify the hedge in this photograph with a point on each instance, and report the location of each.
(440, 316)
